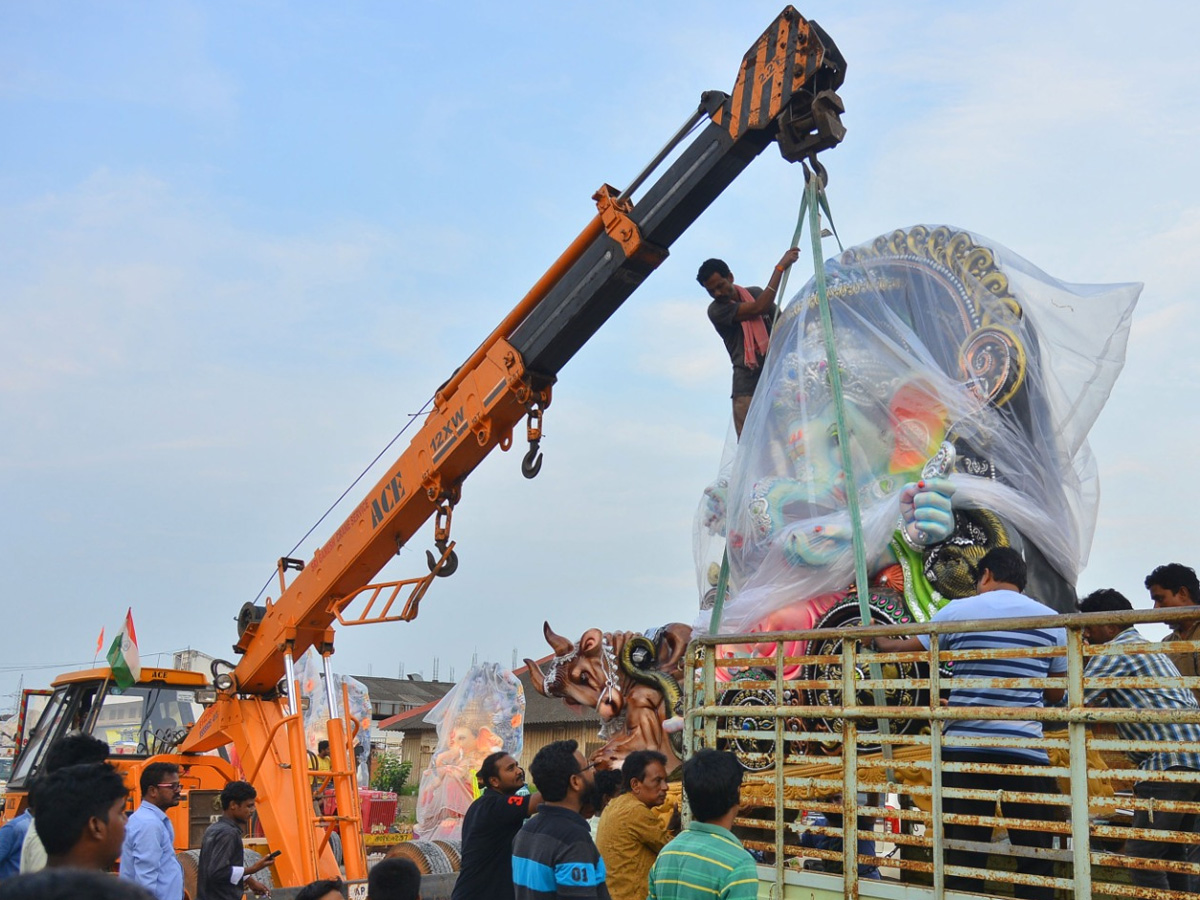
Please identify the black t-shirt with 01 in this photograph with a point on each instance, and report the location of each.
(489, 827)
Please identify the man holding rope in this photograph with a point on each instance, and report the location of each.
(743, 318)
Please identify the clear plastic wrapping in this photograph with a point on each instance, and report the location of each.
(941, 335)
(310, 674)
(482, 714)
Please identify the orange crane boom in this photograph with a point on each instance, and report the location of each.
(784, 94)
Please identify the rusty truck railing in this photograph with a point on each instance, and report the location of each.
(803, 720)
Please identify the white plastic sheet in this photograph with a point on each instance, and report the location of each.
(482, 714)
(941, 335)
(310, 674)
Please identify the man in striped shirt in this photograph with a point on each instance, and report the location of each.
(1180, 740)
(553, 855)
(1000, 578)
(706, 860)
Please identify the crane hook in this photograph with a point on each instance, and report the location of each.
(449, 567)
(818, 171)
(532, 463)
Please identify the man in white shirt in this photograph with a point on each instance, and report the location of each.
(1000, 579)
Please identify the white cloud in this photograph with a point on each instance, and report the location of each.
(1161, 322)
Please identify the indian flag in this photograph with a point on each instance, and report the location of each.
(123, 655)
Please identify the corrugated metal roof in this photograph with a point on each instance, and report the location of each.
(402, 690)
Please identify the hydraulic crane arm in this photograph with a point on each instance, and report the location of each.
(784, 93)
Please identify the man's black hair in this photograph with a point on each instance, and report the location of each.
(490, 767)
(605, 786)
(1175, 577)
(552, 769)
(71, 884)
(635, 766)
(74, 749)
(237, 792)
(711, 783)
(1005, 564)
(154, 773)
(317, 889)
(1104, 600)
(395, 878)
(322, 746)
(69, 798)
(711, 267)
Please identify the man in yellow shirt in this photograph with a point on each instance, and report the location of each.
(630, 833)
(1175, 586)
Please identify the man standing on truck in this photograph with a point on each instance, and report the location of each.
(222, 869)
(743, 318)
(320, 782)
(490, 825)
(148, 853)
(553, 853)
(1180, 741)
(1175, 586)
(1000, 578)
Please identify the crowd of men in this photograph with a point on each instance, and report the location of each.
(1000, 580)
(65, 845)
(535, 846)
(539, 846)
(515, 844)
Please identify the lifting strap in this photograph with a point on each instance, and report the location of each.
(812, 204)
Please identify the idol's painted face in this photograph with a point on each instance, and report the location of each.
(814, 448)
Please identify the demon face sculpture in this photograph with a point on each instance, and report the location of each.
(631, 680)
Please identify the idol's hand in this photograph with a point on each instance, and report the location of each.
(817, 545)
(927, 511)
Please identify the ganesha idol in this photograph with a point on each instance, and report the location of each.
(969, 381)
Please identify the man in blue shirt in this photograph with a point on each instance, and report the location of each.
(1000, 579)
(12, 836)
(553, 855)
(148, 853)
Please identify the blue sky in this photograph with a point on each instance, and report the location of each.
(241, 243)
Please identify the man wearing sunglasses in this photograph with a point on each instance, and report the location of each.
(148, 853)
